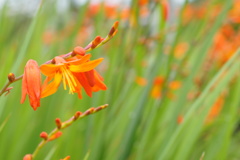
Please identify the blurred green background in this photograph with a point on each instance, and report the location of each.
(172, 72)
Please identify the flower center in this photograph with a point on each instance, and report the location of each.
(68, 79)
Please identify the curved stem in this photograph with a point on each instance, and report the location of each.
(65, 125)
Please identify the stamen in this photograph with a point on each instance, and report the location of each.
(68, 79)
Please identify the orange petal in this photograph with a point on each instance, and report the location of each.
(78, 89)
(85, 66)
(45, 83)
(53, 86)
(90, 77)
(83, 59)
(33, 78)
(49, 69)
(99, 81)
(83, 80)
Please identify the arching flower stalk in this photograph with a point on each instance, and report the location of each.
(74, 69)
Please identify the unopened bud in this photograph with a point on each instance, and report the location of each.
(96, 42)
(89, 111)
(78, 51)
(11, 77)
(77, 114)
(58, 123)
(113, 30)
(44, 135)
(101, 107)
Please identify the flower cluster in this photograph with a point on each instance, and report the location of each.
(75, 70)
(75, 73)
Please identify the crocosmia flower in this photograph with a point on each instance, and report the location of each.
(74, 73)
(31, 84)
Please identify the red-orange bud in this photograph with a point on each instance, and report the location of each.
(58, 123)
(101, 107)
(113, 30)
(96, 42)
(31, 84)
(89, 111)
(77, 114)
(79, 51)
(11, 77)
(115, 25)
(27, 157)
(44, 135)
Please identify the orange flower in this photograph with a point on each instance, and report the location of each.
(31, 84)
(75, 73)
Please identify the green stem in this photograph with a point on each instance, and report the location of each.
(65, 125)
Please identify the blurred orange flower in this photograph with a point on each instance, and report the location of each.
(93, 9)
(216, 109)
(31, 84)
(174, 85)
(157, 87)
(111, 11)
(234, 13)
(180, 119)
(141, 81)
(180, 50)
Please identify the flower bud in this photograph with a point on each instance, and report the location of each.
(58, 123)
(78, 51)
(113, 30)
(44, 135)
(96, 42)
(11, 77)
(89, 111)
(77, 114)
